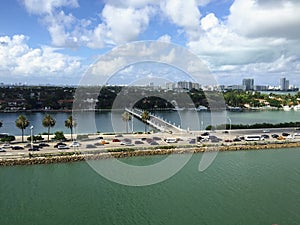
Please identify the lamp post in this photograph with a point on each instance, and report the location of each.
(31, 134)
(229, 123)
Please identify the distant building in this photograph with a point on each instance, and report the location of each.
(284, 84)
(235, 87)
(248, 84)
(185, 85)
(260, 87)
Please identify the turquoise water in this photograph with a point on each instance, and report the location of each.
(245, 187)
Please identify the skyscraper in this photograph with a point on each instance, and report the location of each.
(284, 84)
(248, 84)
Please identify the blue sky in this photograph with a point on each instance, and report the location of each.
(54, 41)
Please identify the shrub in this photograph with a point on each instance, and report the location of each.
(35, 138)
(59, 136)
(8, 138)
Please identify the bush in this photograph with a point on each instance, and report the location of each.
(8, 138)
(59, 136)
(35, 138)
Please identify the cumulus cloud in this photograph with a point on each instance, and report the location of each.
(257, 18)
(47, 6)
(184, 14)
(17, 58)
(125, 24)
(165, 38)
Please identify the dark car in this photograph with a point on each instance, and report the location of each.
(34, 148)
(236, 139)
(205, 134)
(154, 143)
(90, 146)
(192, 141)
(43, 145)
(265, 136)
(275, 135)
(285, 134)
(156, 138)
(58, 144)
(17, 147)
(138, 142)
(116, 140)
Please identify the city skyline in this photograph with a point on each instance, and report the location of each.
(54, 42)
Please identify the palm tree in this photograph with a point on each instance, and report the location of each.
(48, 122)
(22, 122)
(145, 116)
(70, 123)
(126, 117)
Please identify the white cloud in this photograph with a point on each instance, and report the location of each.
(257, 18)
(18, 59)
(47, 6)
(183, 13)
(125, 24)
(165, 38)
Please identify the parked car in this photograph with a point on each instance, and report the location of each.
(34, 148)
(98, 144)
(116, 140)
(274, 135)
(154, 143)
(156, 138)
(104, 142)
(16, 147)
(58, 144)
(138, 142)
(119, 135)
(5, 145)
(75, 144)
(90, 146)
(2, 150)
(129, 144)
(265, 136)
(192, 141)
(236, 139)
(205, 134)
(43, 144)
(266, 131)
(285, 134)
(61, 147)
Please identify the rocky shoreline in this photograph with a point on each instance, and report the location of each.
(77, 156)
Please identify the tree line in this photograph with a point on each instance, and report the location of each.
(48, 122)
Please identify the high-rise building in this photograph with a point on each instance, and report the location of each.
(248, 84)
(284, 84)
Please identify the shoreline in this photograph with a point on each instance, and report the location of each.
(76, 156)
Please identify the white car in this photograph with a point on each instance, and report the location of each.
(62, 147)
(2, 150)
(75, 144)
(6, 146)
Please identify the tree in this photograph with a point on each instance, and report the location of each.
(70, 123)
(126, 117)
(145, 116)
(48, 122)
(22, 123)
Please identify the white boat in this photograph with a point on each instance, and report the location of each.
(201, 108)
(297, 107)
(178, 109)
(286, 108)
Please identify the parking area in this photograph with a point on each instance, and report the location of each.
(144, 141)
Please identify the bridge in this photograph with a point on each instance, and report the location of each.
(155, 121)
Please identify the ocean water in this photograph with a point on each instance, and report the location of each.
(242, 188)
